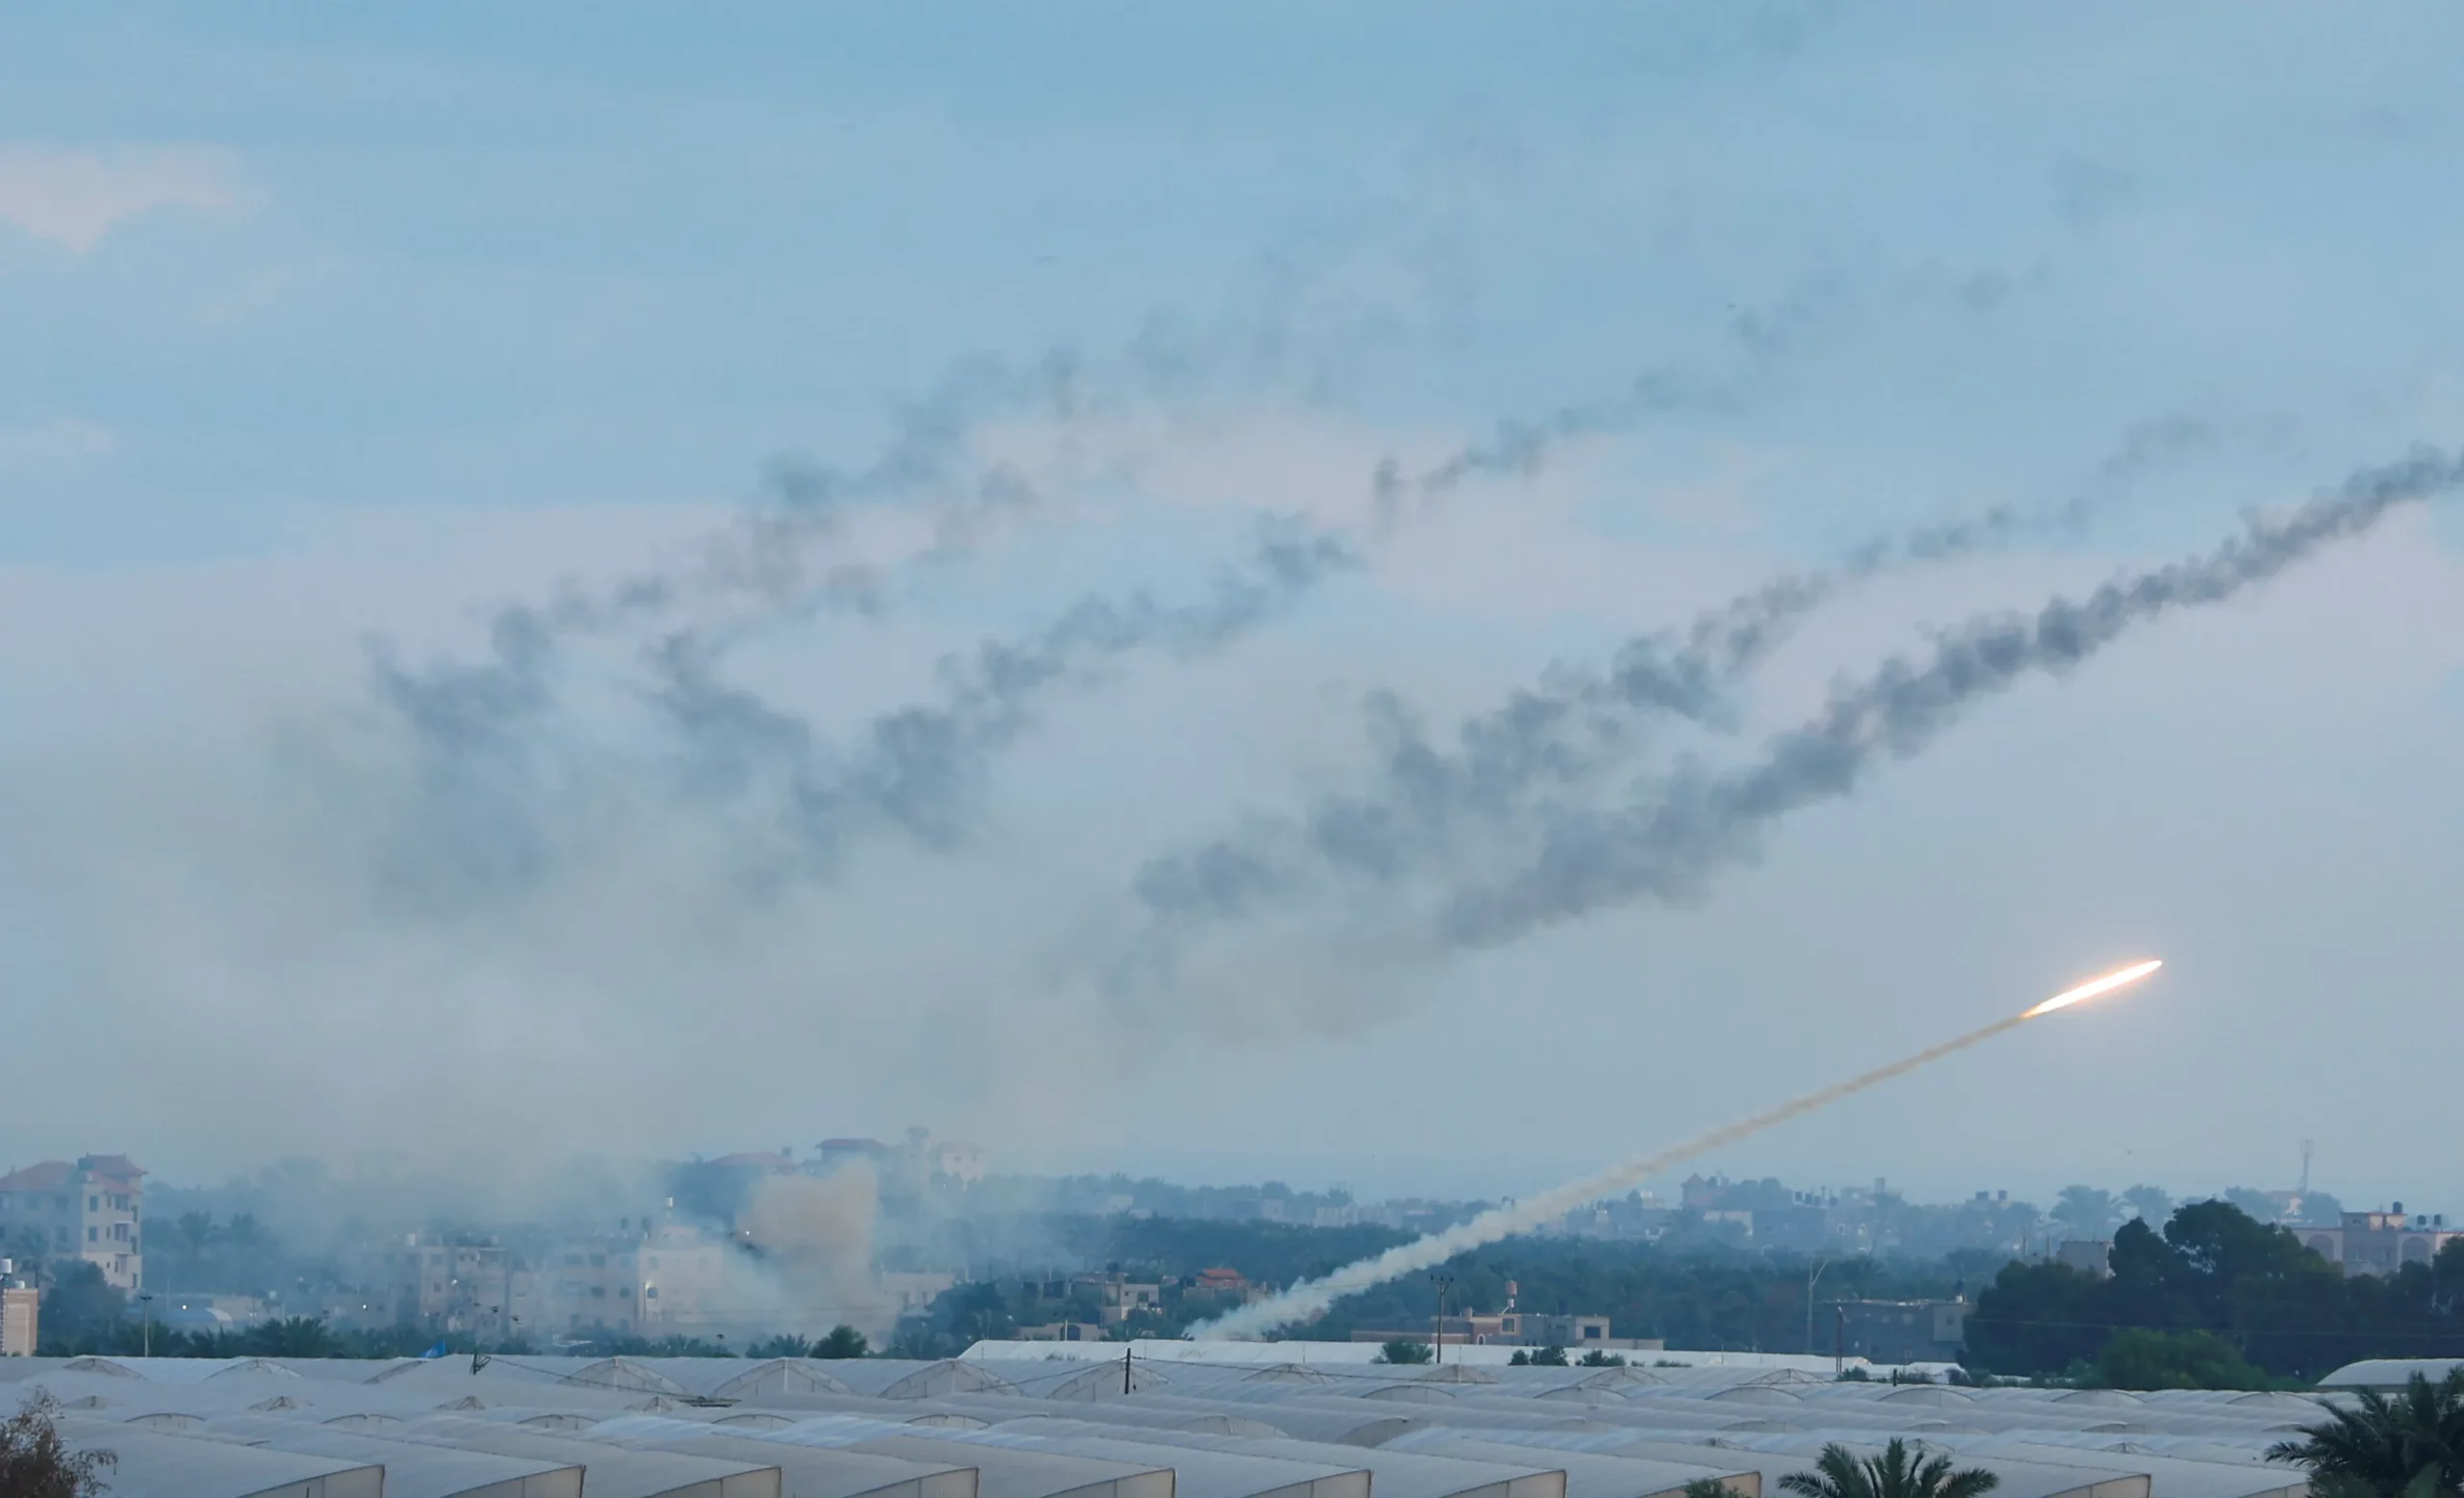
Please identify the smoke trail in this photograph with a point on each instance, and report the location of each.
(1550, 739)
(1521, 447)
(762, 563)
(914, 769)
(1311, 1299)
(1666, 846)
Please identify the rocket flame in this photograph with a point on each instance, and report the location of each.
(2104, 984)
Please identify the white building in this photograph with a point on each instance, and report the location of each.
(2380, 1242)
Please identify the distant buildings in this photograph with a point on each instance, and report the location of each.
(1514, 1328)
(911, 1167)
(90, 1210)
(2380, 1242)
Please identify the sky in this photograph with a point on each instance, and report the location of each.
(1162, 587)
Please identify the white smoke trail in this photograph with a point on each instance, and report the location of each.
(1311, 1299)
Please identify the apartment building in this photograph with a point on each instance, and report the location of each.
(92, 1209)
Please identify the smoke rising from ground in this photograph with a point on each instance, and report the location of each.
(814, 1237)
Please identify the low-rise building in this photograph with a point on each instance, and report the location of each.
(1899, 1331)
(91, 1210)
(20, 1313)
(1514, 1328)
(1117, 1297)
(1062, 1331)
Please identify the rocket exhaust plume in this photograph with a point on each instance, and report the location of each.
(1310, 1298)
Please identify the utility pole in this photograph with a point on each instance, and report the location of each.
(1809, 1284)
(1444, 1283)
(146, 1321)
(1839, 1341)
(1124, 1370)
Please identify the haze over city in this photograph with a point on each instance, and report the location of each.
(1695, 749)
(1232, 596)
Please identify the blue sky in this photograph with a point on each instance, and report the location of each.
(332, 327)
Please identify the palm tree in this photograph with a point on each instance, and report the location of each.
(1899, 1472)
(2410, 1445)
(2086, 1209)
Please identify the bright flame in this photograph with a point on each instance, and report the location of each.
(2104, 984)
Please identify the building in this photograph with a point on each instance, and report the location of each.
(2087, 1255)
(1062, 1331)
(1515, 1329)
(2380, 1242)
(644, 1280)
(908, 1168)
(20, 1313)
(93, 1211)
(1117, 1297)
(1898, 1331)
(439, 1282)
(1223, 1287)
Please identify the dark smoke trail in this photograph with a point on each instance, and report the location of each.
(1667, 847)
(1549, 740)
(913, 771)
(1521, 447)
(765, 563)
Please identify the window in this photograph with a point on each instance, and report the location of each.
(650, 1292)
(92, 1234)
(93, 1205)
(598, 1261)
(598, 1292)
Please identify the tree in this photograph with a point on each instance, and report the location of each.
(843, 1341)
(35, 1463)
(196, 1232)
(292, 1336)
(2140, 1359)
(82, 1306)
(2151, 1202)
(1404, 1351)
(1549, 1358)
(2410, 1445)
(1708, 1488)
(1599, 1358)
(1897, 1473)
(786, 1344)
(2085, 1210)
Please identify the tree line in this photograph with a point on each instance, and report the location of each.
(2214, 1283)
